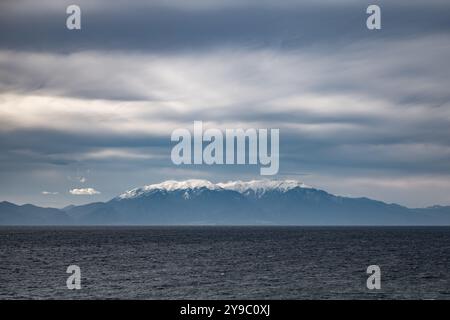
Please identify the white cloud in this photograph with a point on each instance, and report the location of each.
(116, 153)
(49, 193)
(84, 192)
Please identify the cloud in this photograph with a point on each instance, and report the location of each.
(341, 98)
(46, 193)
(175, 26)
(84, 192)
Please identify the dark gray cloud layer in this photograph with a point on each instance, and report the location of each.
(175, 26)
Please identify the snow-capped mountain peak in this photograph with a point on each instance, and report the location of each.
(169, 186)
(259, 187)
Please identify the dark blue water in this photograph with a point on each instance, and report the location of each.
(224, 262)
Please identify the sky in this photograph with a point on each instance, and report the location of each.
(87, 114)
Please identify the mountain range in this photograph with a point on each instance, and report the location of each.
(201, 202)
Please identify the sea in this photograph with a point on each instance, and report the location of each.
(215, 262)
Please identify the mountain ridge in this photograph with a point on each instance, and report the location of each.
(255, 202)
(256, 186)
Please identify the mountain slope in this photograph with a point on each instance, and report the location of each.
(11, 214)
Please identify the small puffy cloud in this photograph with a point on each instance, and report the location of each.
(84, 192)
(48, 193)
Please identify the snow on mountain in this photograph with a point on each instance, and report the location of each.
(169, 186)
(201, 202)
(259, 187)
